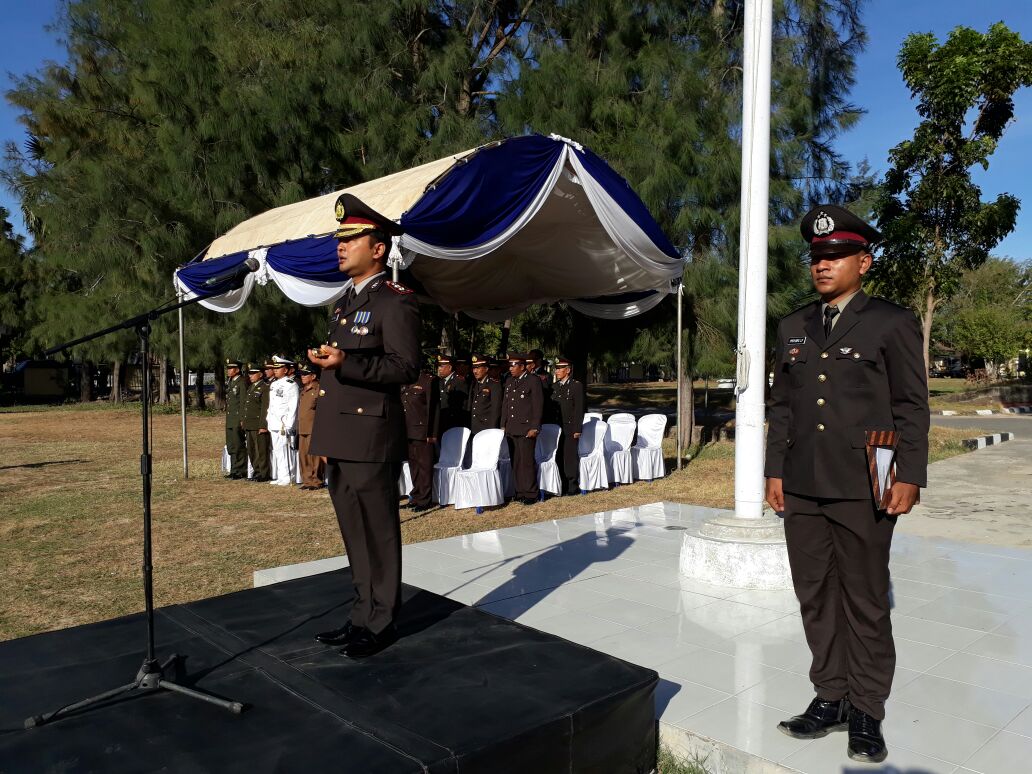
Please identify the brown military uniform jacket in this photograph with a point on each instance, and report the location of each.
(485, 405)
(359, 415)
(454, 398)
(523, 405)
(868, 375)
(306, 408)
(421, 401)
(568, 406)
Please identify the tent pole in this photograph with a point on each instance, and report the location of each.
(680, 376)
(182, 390)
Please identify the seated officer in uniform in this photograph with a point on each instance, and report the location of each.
(847, 364)
(371, 352)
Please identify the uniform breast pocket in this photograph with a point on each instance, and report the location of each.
(796, 368)
(860, 369)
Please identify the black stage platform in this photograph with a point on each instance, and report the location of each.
(462, 691)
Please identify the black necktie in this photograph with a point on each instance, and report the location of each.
(830, 313)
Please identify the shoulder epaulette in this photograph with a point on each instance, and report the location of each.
(398, 288)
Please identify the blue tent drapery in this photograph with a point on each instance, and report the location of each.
(528, 220)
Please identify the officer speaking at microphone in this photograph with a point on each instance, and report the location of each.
(847, 364)
(372, 350)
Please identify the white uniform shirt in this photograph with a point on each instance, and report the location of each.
(283, 398)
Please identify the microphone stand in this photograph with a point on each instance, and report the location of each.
(153, 675)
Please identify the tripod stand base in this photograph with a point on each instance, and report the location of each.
(151, 677)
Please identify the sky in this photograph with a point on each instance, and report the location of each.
(26, 44)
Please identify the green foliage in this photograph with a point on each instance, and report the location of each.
(18, 285)
(990, 315)
(931, 213)
(174, 120)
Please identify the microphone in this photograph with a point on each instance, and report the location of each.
(237, 272)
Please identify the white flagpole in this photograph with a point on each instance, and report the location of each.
(752, 266)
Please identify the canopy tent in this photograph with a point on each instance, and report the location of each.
(490, 232)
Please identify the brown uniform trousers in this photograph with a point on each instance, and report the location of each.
(313, 469)
(827, 392)
(421, 401)
(522, 409)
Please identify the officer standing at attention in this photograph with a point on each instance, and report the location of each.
(846, 364)
(522, 408)
(454, 395)
(236, 439)
(421, 401)
(313, 469)
(253, 421)
(568, 403)
(371, 352)
(282, 421)
(485, 398)
(269, 372)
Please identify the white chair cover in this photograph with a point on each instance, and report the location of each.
(619, 466)
(481, 485)
(453, 449)
(647, 453)
(405, 480)
(591, 448)
(549, 479)
(226, 464)
(589, 415)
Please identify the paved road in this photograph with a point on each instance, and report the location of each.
(984, 496)
(1019, 424)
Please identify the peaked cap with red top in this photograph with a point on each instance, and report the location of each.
(833, 230)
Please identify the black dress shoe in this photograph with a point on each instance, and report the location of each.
(866, 743)
(341, 636)
(820, 719)
(422, 508)
(529, 501)
(367, 644)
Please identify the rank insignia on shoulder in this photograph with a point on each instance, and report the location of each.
(397, 287)
(845, 350)
(797, 340)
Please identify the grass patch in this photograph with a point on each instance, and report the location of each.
(70, 529)
(670, 762)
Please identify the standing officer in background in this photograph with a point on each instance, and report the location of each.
(846, 364)
(485, 398)
(236, 439)
(253, 422)
(269, 371)
(522, 408)
(372, 350)
(421, 401)
(313, 469)
(454, 395)
(282, 421)
(568, 409)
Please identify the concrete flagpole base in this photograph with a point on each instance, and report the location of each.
(740, 553)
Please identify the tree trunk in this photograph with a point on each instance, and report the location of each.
(86, 372)
(163, 380)
(577, 347)
(199, 387)
(926, 326)
(115, 396)
(686, 420)
(220, 389)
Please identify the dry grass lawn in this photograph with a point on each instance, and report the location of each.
(70, 527)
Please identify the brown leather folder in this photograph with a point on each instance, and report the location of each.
(881, 443)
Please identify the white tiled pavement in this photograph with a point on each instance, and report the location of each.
(733, 663)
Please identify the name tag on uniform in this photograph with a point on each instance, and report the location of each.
(797, 340)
